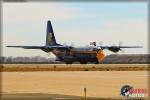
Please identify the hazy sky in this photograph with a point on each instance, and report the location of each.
(74, 22)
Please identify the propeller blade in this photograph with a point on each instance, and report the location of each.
(120, 43)
(100, 43)
(65, 43)
(121, 50)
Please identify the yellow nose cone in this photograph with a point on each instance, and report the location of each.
(100, 55)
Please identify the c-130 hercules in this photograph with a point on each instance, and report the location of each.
(70, 54)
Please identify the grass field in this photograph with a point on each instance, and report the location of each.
(73, 67)
(69, 85)
(66, 82)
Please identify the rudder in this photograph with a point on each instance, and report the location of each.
(50, 37)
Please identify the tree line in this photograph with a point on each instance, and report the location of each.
(22, 60)
(111, 59)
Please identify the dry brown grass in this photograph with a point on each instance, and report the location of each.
(74, 67)
(101, 84)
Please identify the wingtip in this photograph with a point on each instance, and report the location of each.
(7, 46)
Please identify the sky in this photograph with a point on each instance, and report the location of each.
(77, 23)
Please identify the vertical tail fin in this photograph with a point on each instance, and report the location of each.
(50, 37)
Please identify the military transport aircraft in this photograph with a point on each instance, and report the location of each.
(70, 54)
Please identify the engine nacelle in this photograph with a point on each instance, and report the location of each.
(114, 49)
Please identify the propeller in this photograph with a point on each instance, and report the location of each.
(65, 44)
(120, 44)
(72, 44)
(100, 43)
(115, 48)
(68, 46)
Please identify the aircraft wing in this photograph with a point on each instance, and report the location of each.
(107, 47)
(28, 47)
(43, 47)
(117, 48)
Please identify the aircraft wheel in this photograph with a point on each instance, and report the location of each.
(68, 62)
(83, 62)
(96, 62)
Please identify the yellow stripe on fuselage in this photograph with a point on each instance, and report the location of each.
(84, 52)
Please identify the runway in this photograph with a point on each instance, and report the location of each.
(99, 84)
(73, 67)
